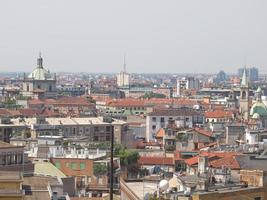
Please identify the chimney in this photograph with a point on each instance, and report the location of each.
(202, 164)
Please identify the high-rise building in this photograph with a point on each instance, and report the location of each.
(252, 73)
(123, 78)
(220, 77)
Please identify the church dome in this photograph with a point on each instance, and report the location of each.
(40, 73)
(258, 108)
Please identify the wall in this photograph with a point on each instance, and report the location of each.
(242, 194)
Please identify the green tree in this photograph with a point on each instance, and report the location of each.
(100, 169)
(128, 157)
(149, 95)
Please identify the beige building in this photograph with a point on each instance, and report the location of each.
(93, 128)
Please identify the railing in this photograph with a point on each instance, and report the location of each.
(125, 189)
(10, 192)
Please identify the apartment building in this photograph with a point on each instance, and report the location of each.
(183, 117)
(94, 128)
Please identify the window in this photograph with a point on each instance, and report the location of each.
(162, 119)
(108, 128)
(257, 198)
(153, 127)
(154, 119)
(28, 88)
(58, 165)
(82, 166)
(50, 88)
(73, 165)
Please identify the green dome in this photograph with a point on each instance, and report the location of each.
(258, 108)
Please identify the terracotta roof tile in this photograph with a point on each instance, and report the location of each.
(229, 162)
(160, 133)
(149, 160)
(219, 114)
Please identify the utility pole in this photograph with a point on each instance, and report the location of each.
(109, 120)
(111, 162)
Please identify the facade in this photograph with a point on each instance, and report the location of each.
(40, 83)
(11, 186)
(183, 117)
(94, 128)
(12, 158)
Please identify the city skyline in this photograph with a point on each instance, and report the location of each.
(157, 37)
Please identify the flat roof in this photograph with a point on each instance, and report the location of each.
(141, 188)
(47, 169)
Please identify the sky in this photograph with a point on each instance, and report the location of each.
(157, 36)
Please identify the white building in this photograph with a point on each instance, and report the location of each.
(183, 117)
(123, 78)
(187, 83)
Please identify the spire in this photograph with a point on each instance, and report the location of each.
(40, 61)
(244, 81)
(258, 94)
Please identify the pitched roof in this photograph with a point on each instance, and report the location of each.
(217, 159)
(4, 112)
(219, 114)
(203, 132)
(229, 162)
(160, 133)
(150, 160)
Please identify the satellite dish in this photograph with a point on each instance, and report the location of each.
(163, 185)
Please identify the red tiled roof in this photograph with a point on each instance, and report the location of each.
(126, 103)
(229, 162)
(147, 160)
(29, 112)
(217, 159)
(219, 114)
(194, 160)
(203, 132)
(160, 133)
(72, 101)
(4, 112)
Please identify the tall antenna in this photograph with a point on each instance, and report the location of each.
(124, 63)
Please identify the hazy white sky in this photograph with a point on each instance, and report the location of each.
(156, 35)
